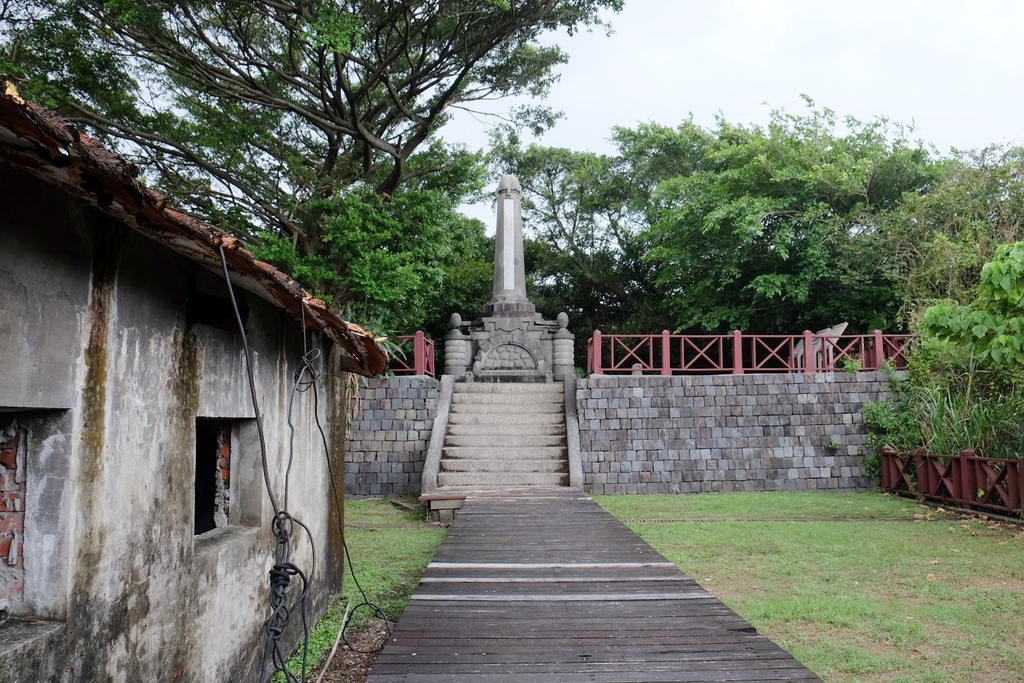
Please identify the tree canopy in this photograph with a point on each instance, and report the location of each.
(707, 229)
(245, 111)
(307, 127)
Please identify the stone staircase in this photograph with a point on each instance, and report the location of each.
(505, 435)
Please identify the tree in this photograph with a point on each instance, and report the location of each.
(396, 264)
(247, 111)
(767, 233)
(935, 243)
(992, 325)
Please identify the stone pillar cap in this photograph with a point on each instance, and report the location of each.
(509, 183)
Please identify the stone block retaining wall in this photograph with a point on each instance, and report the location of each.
(648, 434)
(388, 437)
(756, 432)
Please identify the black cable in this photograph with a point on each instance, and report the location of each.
(283, 570)
(252, 379)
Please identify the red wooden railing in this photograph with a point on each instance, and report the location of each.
(965, 480)
(737, 353)
(415, 357)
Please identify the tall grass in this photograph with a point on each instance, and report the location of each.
(952, 420)
(948, 402)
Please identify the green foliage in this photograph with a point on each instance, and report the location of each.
(992, 325)
(583, 256)
(847, 364)
(690, 228)
(246, 112)
(402, 262)
(949, 401)
(766, 234)
(934, 243)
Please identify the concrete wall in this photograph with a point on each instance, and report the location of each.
(102, 366)
(388, 436)
(756, 432)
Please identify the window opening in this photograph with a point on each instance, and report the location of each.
(213, 474)
(13, 444)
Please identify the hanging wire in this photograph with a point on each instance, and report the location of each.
(284, 570)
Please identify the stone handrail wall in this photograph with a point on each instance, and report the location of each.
(756, 432)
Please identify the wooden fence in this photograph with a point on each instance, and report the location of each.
(415, 355)
(737, 353)
(964, 480)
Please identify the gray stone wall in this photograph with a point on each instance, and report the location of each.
(756, 432)
(109, 377)
(388, 437)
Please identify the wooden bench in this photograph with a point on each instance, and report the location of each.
(442, 506)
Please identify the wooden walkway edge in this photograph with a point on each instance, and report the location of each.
(545, 586)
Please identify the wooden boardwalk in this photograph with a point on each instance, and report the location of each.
(546, 586)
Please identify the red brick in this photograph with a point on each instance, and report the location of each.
(9, 456)
(12, 521)
(5, 546)
(12, 501)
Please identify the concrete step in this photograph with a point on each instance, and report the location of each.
(522, 419)
(507, 399)
(554, 407)
(499, 453)
(517, 441)
(501, 479)
(495, 429)
(506, 465)
(531, 388)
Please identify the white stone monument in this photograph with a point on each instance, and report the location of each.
(510, 341)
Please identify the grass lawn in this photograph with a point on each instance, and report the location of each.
(859, 587)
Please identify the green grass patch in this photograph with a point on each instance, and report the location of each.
(390, 546)
(859, 587)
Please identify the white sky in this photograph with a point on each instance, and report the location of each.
(953, 68)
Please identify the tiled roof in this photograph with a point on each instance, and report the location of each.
(39, 142)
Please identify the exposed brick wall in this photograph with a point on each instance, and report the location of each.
(756, 432)
(12, 513)
(388, 437)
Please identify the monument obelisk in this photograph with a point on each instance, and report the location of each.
(510, 341)
(508, 298)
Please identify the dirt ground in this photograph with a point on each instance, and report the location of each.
(353, 665)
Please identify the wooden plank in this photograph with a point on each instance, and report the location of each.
(551, 588)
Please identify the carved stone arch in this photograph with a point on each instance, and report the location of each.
(510, 353)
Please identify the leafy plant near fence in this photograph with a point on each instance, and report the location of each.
(964, 386)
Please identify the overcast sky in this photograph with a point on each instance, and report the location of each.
(952, 67)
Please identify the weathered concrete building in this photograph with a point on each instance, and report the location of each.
(135, 523)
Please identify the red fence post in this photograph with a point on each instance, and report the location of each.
(737, 352)
(879, 350)
(810, 362)
(922, 472)
(419, 353)
(1015, 484)
(886, 461)
(596, 353)
(666, 359)
(968, 480)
